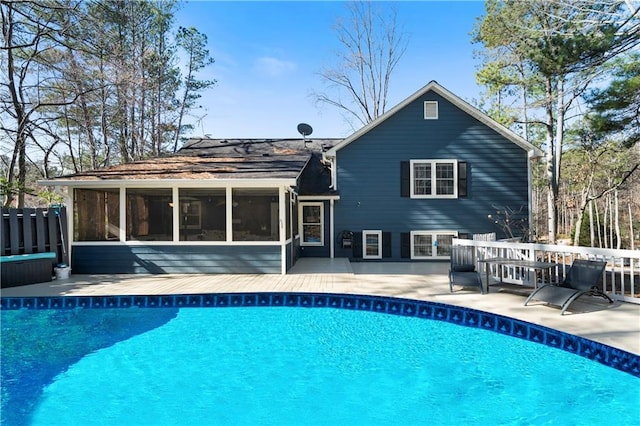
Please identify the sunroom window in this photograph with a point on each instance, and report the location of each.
(434, 178)
(203, 214)
(255, 215)
(149, 214)
(96, 214)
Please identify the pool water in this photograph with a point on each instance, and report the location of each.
(277, 365)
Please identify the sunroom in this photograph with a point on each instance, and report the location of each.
(221, 213)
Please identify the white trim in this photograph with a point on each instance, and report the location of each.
(317, 197)
(430, 117)
(282, 215)
(433, 178)
(123, 214)
(377, 233)
(170, 183)
(434, 249)
(70, 223)
(455, 100)
(282, 219)
(180, 243)
(175, 195)
(331, 230)
(301, 223)
(229, 214)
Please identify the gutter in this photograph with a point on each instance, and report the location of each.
(183, 183)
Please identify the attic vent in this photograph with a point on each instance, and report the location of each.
(430, 110)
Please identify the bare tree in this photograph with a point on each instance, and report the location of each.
(31, 34)
(372, 45)
(565, 44)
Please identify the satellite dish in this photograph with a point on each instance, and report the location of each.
(304, 129)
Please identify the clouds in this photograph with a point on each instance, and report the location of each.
(269, 66)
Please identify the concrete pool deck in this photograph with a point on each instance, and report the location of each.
(616, 324)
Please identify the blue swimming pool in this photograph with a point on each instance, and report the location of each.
(154, 360)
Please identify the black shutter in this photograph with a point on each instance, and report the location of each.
(462, 179)
(405, 245)
(386, 244)
(405, 179)
(357, 244)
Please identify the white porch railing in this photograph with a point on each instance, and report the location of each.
(621, 278)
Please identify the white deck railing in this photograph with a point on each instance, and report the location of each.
(621, 278)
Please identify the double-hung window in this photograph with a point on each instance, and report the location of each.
(372, 244)
(431, 244)
(434, 178)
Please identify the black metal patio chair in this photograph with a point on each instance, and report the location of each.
(582, 279)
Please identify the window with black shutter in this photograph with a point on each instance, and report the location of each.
(405, 179)
(386, 244)
(405, 245)
(433, 178)
(462, 178)
(357, 245)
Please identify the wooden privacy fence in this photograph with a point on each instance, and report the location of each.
(30, 230)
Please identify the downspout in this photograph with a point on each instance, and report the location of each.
(69, 200)
(331, 163)
(531, 158)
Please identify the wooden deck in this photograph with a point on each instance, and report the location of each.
(616, 324)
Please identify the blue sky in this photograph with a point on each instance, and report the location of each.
(268, 56)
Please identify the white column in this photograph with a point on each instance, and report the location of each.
(69, 201)
(175, 201)
(282, 219)
(229, 215)
(331, 229)
(123, 214)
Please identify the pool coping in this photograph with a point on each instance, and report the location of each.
(469, 317)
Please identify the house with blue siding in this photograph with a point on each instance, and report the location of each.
(430, 169)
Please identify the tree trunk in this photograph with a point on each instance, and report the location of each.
(611, 226)
(598, 225)
(631, 235)
(592, 237)
(605, 218)
(552, 194)
(617, 220)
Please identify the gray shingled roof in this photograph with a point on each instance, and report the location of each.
(203, 158)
